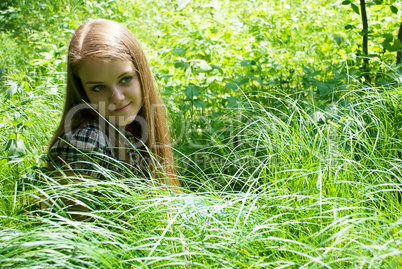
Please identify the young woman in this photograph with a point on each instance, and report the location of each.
(113, 116)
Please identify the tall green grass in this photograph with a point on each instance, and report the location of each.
(294, 192)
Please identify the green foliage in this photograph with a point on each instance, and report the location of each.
(383, 39)
(288, 156)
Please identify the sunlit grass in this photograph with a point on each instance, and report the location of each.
(286, 203)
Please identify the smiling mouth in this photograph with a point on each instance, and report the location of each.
(120, 109)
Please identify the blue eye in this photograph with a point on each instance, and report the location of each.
(97, 88)
(126, 80)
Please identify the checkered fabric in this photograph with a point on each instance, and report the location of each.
(90, 151)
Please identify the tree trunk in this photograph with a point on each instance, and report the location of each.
(365, 30)
(399, 53)
(365, 39)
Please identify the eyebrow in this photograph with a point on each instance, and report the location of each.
(100, 82)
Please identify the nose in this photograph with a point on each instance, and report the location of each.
(116, 94)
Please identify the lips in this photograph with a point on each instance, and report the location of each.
(121, 108)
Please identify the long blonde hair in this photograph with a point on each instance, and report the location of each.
(108, 41)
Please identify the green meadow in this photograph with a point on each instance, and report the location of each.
(287, 138)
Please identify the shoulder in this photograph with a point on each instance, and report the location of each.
(81, 150)
(88, 137)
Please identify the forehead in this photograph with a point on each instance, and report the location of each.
(100, 70)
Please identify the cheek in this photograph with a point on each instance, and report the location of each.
(138, 94)
(139, 97)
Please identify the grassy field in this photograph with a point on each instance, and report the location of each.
(289, 156)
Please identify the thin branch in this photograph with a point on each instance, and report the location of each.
(365, 36)
(399, 53)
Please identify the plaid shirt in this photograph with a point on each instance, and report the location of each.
(90, 151)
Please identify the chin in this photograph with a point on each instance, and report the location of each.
(121, 123)
(124, 122)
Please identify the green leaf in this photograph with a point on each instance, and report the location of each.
(232, 86)
(306, 70)
(199, 103)
(28, 123)
(349, 26)
(12, 148)
(323, 88)
(178, 51)
(215, 67)
(247, 63)
(394, 9)
(397, 43)
(389, 37)
(346, 2)
(258, 80)
(244, 81)
(21, 149)
(338, 39)
(181, 64)
(392, 48)
(181, 4)
(355, 8)
(204, 65)
(363, 32)
(192, 91)
(12, 90)
(16, 121)
(386, 45)
(232, 102)
(16, 148)
(168, 90)
(8, 144)
(26, 86)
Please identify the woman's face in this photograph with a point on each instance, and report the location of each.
(113, 88)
